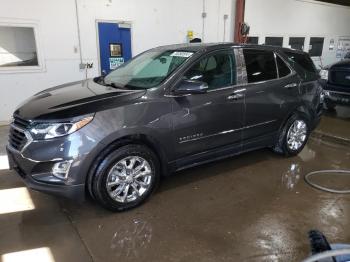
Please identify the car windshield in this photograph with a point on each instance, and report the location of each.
(147, 70)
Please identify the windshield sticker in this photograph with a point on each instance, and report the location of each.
(182, 54)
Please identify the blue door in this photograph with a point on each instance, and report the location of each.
(115, 45)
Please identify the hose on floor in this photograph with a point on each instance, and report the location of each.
(328, 254)
(329, 190)
(331, 253)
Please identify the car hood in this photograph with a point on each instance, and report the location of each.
(74, 99)
(341, 64)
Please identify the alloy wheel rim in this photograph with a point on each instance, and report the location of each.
(129, 179)
(296, 135)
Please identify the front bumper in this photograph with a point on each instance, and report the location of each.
(337, 97)
(333, 94)
(22, 165)
(35, 162)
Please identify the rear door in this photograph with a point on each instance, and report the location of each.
(272, 90)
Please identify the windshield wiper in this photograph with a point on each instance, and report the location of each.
(101, 80)
(112, 84)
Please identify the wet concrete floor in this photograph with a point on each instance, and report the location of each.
(336, 122)
(254, 207)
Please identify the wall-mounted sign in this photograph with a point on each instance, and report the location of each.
(115, 62)
(343, 47)
(190, 34)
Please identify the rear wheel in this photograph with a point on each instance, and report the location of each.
(126, 177)
(293, 136)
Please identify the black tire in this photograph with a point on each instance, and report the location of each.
(281, 146)
(99, 180)
(329, 105)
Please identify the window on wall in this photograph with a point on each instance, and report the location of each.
(297, 43)
(18, 47)
(253, 40)
(316, 46)
(260, 64)
(275, 41)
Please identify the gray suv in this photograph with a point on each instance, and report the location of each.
(167, 109)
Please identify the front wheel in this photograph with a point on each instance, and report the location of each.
(293, 136)
(126, 177)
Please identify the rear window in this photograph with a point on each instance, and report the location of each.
(260, 65)
(283, 69)
(303, 64)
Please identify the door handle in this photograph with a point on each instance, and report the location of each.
(291, 85)
(235, 97)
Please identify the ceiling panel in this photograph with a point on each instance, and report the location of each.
(338, 2)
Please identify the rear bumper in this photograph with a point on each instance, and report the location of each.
(20, 164)
(318, 111)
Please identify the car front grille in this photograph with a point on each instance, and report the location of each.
(18, 138)
(20, 122)
(340, 77)
(340, 95)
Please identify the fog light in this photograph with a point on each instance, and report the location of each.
(61, 169)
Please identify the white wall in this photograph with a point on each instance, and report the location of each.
(154, 22)
(304, 18)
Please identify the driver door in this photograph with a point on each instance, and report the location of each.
(212, 120)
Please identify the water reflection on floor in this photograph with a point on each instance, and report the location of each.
(254, 207)
(336, 122)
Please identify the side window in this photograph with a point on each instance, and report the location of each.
(260, 65)
(303, 64)
(218, 70)
(283, 69)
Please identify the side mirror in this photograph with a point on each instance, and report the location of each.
(191, 87)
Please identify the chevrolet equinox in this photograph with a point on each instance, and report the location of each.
(167, 109)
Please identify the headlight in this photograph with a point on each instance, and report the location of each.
(324, 74)
(326, 93)
(322, 94)
(43, 131)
